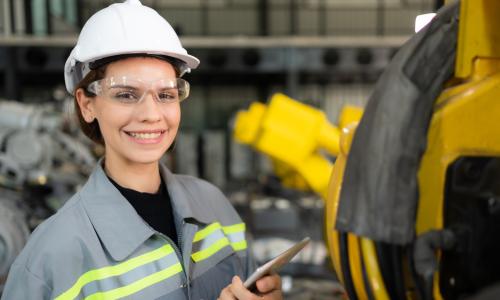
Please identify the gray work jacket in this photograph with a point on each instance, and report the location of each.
(97, 247)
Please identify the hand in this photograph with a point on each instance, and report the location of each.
(269, 288)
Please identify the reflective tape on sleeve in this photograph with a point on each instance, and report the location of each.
(210, 250)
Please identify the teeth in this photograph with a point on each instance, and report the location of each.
(145, 135)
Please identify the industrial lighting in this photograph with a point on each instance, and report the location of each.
(42, 180)
(422, 20)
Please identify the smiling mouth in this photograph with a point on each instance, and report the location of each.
(145, 135)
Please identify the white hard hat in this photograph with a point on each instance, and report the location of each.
(124, 28)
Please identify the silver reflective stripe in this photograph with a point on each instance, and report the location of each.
(122, 273)
(236, 237)
(130, 277)
(211, 239)
(214, 237)
(138, 285)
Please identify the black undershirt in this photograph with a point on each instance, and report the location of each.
(155, 209)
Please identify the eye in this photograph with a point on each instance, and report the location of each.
(168, 95)
(126, 96)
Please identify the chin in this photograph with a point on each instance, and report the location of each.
(146, 158)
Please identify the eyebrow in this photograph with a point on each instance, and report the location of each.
(122, 86)
(168, 89)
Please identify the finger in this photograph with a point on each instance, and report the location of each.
(274, 295)
(269, 283)
(226, 294)
(240, 291)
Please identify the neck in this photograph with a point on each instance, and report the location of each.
(143, 178)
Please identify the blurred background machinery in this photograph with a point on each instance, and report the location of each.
(42, 163)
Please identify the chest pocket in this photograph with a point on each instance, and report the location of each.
(215, 242)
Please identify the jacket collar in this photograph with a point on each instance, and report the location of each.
(116, 222)
(184, 204)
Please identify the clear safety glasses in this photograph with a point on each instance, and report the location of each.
(130, 90)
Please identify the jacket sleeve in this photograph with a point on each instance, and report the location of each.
(22, 284)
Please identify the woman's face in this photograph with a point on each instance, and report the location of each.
(140, 132)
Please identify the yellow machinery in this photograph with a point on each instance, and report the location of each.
(464, 136)
(458, 178)
(293, 135)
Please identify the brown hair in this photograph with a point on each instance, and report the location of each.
(92, 130)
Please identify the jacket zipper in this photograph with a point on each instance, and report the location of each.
(177, 252)
(179, 257)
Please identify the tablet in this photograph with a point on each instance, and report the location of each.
(275, 264)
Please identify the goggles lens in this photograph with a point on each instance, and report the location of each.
(130, 90)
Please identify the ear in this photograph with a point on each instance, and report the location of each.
(86, 105)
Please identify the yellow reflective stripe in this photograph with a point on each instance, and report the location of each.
(209, 251)
(124, 267)
(206, 231)
(241, 245)
(234, 228)
(138, 285)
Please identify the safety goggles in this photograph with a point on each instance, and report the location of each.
(130, 90)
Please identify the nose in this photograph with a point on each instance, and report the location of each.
(147, 108)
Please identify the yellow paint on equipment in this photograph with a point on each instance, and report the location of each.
(465, 119)
(465, 123)
(332, 202)
(292, 134)
(247, 123)
(478, 34)
(356, 266)
(349, 114)
(375, 279)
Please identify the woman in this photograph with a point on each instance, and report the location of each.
(135, 230)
